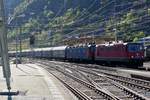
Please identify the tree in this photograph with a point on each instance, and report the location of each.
(138, 36)
(135, 39)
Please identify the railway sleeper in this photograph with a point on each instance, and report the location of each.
(139, 81)
(103, 93)
(129, 91)
(131, 84)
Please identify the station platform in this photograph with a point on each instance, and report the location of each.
(34, 83)
(142, 74)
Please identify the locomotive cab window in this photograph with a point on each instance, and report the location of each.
(135, 47)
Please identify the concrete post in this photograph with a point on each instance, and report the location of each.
(4, 46)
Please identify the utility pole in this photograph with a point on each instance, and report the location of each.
(4, 46)
(16, 51)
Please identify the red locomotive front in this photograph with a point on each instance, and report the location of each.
(135, 53)
(120, 53)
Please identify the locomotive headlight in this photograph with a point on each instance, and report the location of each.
(132, 56)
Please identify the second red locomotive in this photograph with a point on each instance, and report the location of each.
(120, 53)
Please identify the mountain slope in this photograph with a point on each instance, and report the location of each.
(129, 19)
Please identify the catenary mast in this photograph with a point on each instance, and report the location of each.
(4, 46)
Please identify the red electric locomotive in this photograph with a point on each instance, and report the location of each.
(120, 53)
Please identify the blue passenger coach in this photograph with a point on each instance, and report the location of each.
(80, 53)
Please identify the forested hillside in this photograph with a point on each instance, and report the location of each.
(128, 19)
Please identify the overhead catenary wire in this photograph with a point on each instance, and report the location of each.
(84, 11)
(101, 22)
(82, 19)
(98, 9)
(59, 11)
(130, 7)
(83, 28)
(130, 27)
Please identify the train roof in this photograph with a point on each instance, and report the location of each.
(59, 48)
(111, 44)
(80, 45)
(46, 49)
(42, 49)
(18, 51)
(116, 44)
(11, 51)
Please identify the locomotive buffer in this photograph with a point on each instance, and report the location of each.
(4, 52)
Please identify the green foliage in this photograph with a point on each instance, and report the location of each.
(48, 13)
(62, 23)
(64, 20)
(57, 37)
(121, 26)
(148, 11)
(22, 7)
(135, 39)
(12, 33)
(138, 36)
(33, 23)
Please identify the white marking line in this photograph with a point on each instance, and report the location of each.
(52, 87)
(68, 70)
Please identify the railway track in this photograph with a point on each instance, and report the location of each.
(106, 82)
(140, 86)
(80, 87)
(77, 92)
(110, 86)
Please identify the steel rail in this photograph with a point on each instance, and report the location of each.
(130, 91)
(127, 90)
(99, 91)
(76, 92)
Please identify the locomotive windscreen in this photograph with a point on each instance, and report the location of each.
(135, 47)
